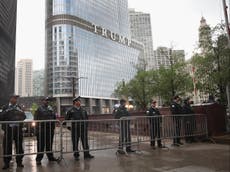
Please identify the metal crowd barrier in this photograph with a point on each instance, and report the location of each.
(100, 134)
(169, 127)
(28, 132)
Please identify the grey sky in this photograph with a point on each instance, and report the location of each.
(174, 22)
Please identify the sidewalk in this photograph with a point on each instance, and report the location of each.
(198, 157)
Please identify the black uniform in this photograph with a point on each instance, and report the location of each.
(155, 125)
(189, 122)
(44, 131)
(12, 132)
(79, 129)
(176, 110)
(125, 137)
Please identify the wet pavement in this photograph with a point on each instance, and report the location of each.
(197, 157)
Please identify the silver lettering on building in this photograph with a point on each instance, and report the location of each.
(113, 36)
(122, 39)
(104, 32)
(129, 42)
(95, 28)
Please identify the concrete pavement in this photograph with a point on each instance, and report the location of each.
(198, 157)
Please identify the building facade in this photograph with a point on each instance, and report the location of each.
(205, 37)
(141, 30)
(8, 10)
(163, 54)
(88, 51)
(38, 83)
(24, 78)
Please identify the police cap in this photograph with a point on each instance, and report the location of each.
(46, 99)
(76, 99)
(14, 96)
(122, 101)
(176, 97)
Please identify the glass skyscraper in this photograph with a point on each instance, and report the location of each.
(141, 30)
(89, 39)
(8, 10)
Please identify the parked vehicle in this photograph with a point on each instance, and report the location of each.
(29, 125)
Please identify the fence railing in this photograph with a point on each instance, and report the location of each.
(61, 137)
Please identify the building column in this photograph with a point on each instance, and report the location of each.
(100, 106)
(58, 101)
(90, 105)
(110, 106)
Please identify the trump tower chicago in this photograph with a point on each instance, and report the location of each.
(88, 51)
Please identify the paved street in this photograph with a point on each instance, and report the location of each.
(199, 157)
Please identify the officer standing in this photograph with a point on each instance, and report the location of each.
(189, 121)
(12, 131)
(125, 137)
(176, 110)
(79, 129)
(155, 124)
(45, 130)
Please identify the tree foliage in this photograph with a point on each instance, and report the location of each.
(213, 68)
(164, 83)
(34, 108)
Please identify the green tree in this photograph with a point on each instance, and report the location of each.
(140, 89)
(174, 81)
(34, 108)
(213, 67)
(164, 83)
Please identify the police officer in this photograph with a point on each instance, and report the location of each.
(79, 129)
(189, 121)
(12, 131)
(155, 122)
(125, 137)
(45, 130)
(177, 110)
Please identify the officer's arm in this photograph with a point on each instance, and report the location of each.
(86, 115)
(149, 112)
(173, 109)
(23, 115)
(54, 116)
(36, 114)
(117, 114)
(68, 115)
(3, 115)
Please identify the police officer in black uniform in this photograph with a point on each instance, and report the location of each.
(177, 110)
(189, 121)
(125, 137)
(155, 124)
(79, 129)
(12, 131)
(45, 130)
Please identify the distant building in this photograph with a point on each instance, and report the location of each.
(8, 11)
(88, 48)
(140, 27)
(24, 78)
(38, 82)
(205, 37)
(163, 55)
(205, 43)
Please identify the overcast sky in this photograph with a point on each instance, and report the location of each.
(174, 22)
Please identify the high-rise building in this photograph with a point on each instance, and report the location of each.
(24, 78)
(141, 30)
(38, 82)
(8, 10)
(163, 55)
(88, 51)
(205, 37)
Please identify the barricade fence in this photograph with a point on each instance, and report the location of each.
(74, 136)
